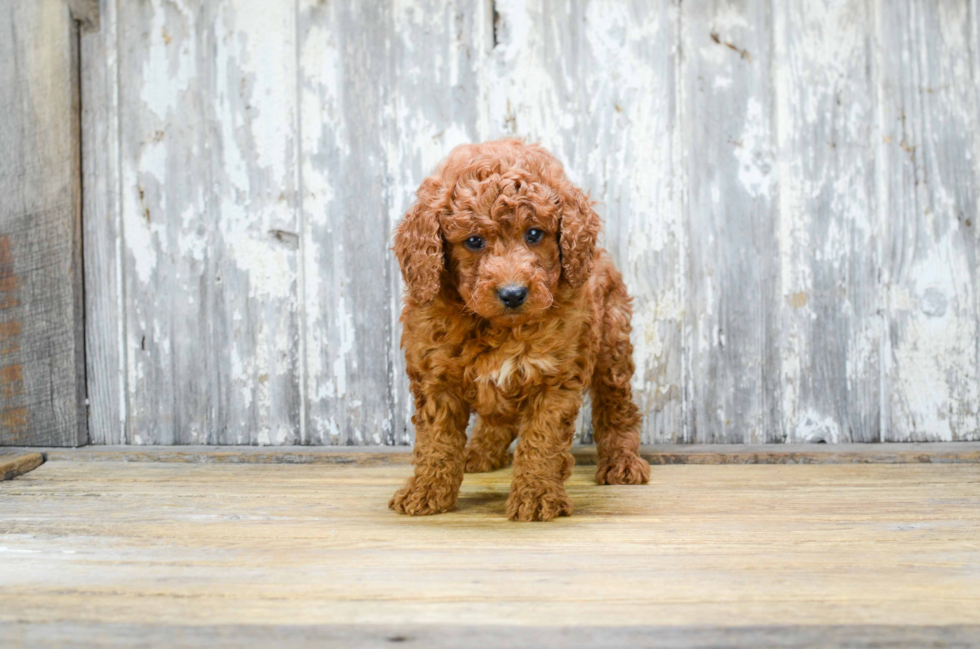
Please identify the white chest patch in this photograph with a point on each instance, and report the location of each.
(524, 366)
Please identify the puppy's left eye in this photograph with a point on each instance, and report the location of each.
(533, 235)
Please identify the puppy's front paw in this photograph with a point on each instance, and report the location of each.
(627, 468)
(421, 498)
(537, 501)
(481, 461)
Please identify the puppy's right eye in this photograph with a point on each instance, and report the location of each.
(475, 243)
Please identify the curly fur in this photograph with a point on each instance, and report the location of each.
(522, 371)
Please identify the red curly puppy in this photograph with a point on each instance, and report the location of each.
(512, 312)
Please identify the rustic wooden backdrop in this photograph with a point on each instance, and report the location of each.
(789, 187)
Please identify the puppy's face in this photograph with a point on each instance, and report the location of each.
(503, 254)
(503, 224)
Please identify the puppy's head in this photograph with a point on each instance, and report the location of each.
(503, 224)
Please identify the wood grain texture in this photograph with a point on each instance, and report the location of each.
(843, 453)
(828, 301)
(616, 132)
(928, 183)
(732, 390)
(42, 363)
(254, 224)
(438, 49)
(208, 222)
(348, 334)
(165, 184)
(733, 546)
(105, 333)
(788, 188)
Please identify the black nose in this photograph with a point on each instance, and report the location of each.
(512, 296)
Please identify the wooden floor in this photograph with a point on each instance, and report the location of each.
(108, 553)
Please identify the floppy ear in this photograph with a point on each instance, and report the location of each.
(578, 232)
(418, 245)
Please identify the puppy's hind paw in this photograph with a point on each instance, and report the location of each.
(538, 501)
(419, 498)
(478, 461)
(627, 468)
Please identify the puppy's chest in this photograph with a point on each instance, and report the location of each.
(497, 379)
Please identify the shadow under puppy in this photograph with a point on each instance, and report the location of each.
(511, 312)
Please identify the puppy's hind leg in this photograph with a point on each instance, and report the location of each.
(615, 418)
(488, 448)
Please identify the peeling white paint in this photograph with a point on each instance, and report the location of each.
(176, 64)
(753, 152)
(345, 320)
(269, 267)
(258, 185)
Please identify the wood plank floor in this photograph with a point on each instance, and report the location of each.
(309, 555)
(657, 454)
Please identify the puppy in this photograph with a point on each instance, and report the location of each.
(511, 311)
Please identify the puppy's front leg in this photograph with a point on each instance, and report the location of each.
(440, 435)
(542, 462)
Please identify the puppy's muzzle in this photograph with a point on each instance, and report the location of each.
(512, 296)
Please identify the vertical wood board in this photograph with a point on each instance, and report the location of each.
(105, 333)
(438, 54)
(829, 296)
(344, 67)
(732, 391)
(42, 365)
(928, 182)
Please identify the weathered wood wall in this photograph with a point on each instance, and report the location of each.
(42, 368)
(790, 189)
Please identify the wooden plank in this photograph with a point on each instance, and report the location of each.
(595, 84)
(736, 546)
(15, 465)
(105, 333)
(437, 52)
(42, 365)
(634, 171)
(829, 297)
(359, 455)
(927, 183)
(732, 392)
(348, 334)
(255, 316)
(934, 453)
(453, 636)
(164, 55)
(210, 228)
